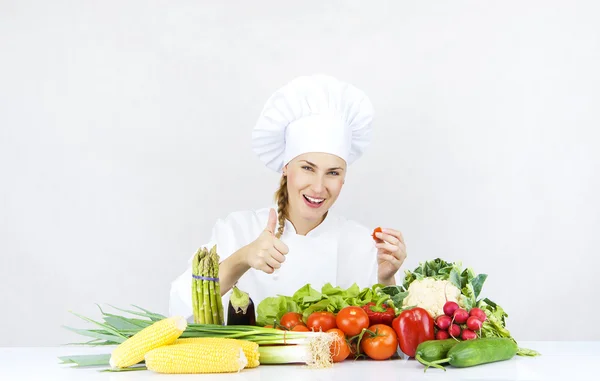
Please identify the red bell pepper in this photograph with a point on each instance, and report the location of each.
(379, 313)
(413, 327)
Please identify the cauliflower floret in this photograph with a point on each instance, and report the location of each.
(431, 295)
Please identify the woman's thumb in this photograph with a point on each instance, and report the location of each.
(272, 221)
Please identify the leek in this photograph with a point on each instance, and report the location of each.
(275, 346)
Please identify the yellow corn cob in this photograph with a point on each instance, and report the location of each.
(226, 357)
(250, 348)
(162, 332)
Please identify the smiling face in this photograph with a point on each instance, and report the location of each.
(314, 182)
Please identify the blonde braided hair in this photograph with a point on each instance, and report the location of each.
(281, 197)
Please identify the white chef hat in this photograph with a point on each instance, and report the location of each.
(313, 114)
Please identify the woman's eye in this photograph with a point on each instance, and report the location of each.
(335, 173)
(307, 168)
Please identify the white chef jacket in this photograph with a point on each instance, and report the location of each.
(338, 251)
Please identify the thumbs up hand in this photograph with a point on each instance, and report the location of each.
(267, 252)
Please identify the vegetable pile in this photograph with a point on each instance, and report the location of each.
(436, 316)
(445, 276)
(358, 332)
(437, 300)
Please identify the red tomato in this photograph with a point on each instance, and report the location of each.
(339, 348)
(351, 320)
(301, 328)
(291, 319)
(377, 230)
(383, 345)
(321, 321)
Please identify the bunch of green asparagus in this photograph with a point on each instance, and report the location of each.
(206, 291)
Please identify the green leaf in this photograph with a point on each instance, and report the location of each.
(467, 275)
(151, 316)
(468, 296)
(273, 308)
(311, 299)
(306, 292)
(477, 283)
(150, 313)
(495, 324)
(121, 323)
(365, 295)
(528, 352)
(336, 303)
(320, 306)
(353, 291)
(86, 360)
(392, 290)
(398, 299)
(329, 290)
(455, 278)
(437, 269)
(105, 326)
(102, 336)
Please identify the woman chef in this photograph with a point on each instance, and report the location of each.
(309, 131)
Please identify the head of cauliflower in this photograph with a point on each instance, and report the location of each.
(432, 294)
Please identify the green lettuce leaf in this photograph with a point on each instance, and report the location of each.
(306, 295)
(329, 290)
(272, 309)
(495, 324)
(323, 305)
(352, 291)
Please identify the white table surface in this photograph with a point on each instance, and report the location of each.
(559, 361)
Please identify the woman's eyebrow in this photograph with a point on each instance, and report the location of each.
(314, 165)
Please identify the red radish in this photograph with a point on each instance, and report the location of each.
(474, 323)
(478, 313)
(467, 334)
(450, 307)
(461, 316)
(443, 322)
(442, 335)
(454, 330)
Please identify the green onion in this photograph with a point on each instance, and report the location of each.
(279, 347)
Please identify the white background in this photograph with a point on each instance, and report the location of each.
(125, 133)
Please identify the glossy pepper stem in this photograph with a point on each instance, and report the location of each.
(379, 313)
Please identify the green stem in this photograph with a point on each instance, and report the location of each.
(206, 291)
(213, 296)
(200, 295)
(218, 290)
(360, 337)
(430, 363)
(194, 294)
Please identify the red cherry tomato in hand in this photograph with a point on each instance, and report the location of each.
(377, 230)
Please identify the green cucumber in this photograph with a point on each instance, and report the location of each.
(476, 352)
(434, 350)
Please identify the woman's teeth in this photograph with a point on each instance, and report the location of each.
(314, 200)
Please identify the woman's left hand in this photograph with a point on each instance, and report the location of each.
(391, 253)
